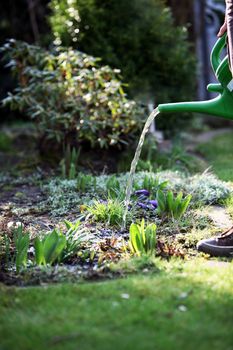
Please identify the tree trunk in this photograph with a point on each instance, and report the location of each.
(183, 14)
(182, 10)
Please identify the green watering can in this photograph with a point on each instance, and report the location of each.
(222, 105)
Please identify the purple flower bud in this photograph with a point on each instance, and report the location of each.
(154, 203)
(103, 201)
(142, 192)
(142, 205)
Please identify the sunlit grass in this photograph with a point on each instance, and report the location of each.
(184, 305)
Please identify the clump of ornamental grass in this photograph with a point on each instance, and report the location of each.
(110, 212)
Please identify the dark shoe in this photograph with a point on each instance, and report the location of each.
(218, 246)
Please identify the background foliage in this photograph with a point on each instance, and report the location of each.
(72, 99)
(138, 37)
(22, 20)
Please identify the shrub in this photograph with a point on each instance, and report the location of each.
(140, 38)
(71, 98)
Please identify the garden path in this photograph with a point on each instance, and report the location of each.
(218, 214)
(220, 217)
(209, 135)
(196, 139)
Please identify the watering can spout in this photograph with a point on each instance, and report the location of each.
(219, 106)
(222, 105)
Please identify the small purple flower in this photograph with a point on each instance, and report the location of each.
(142, 192)
(103, 201)
(154, 203)
(142, 205)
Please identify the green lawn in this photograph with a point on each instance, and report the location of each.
(184, 306)
(219, 154)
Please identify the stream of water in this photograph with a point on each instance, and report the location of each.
(135, 160)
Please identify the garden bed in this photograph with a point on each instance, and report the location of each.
(37, 205)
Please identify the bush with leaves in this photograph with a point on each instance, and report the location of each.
(72, 99)
(140, 38)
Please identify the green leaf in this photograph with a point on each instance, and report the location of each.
(21, 251)
(142, 231)
(163, 185)
(185, 204)
(134, 233)
(53, 246)
(161, 198)
(140, 245)
(72, 171)
(121, 91)
(177, 204)
(68, 224)
(39, 251)
(142, 240)
(150, 234)
(170, 201)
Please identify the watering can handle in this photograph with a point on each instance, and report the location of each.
(216, 52)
